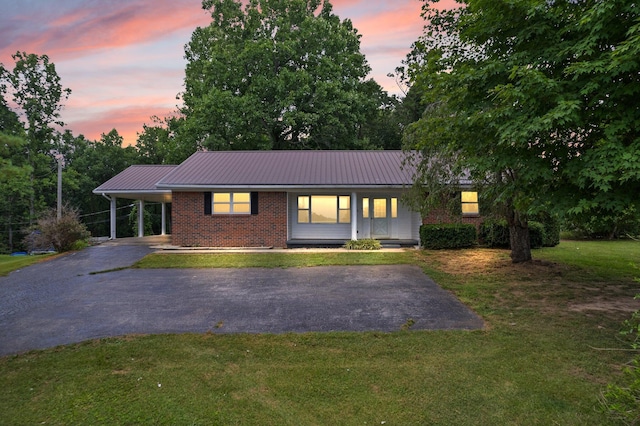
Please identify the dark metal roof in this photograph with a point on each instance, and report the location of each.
(135, 178)
(290, 168)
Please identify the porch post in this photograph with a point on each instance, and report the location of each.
(354, 216)
(112, 218)
(141, 218)
(163, 228)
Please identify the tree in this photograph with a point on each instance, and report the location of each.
(89, 164)
(38, 94)
(157, 144)
(278, 74)
(14, 187)
(534, 101)
(9, 121)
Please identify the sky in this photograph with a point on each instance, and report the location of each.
(124, 59)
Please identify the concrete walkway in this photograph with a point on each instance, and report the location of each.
(60, 302)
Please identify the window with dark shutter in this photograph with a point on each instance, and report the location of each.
(207, 203)
(254, 203)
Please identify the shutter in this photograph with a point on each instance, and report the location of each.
(254, 203)
(207, 203)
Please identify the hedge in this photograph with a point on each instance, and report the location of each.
(448, 236)
(494, 233)
(545, 233)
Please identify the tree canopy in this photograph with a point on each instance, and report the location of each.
(276, 74)
(534, 99)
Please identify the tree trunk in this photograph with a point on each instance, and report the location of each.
(519, 237)
(520, 244)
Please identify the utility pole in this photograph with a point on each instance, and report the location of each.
(60, 159)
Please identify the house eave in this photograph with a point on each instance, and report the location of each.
(278, 188)
(132, 194)
(131, 191)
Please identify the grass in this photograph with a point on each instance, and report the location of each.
(272, 260)
(11, 263)
(606, 259)
(539, 360)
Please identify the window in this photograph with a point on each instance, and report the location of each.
(469, 203)
(344, 209)
(231, 203)
(324, 209)
(304, 209)
(365, 208)
(394, 208)
(379, 208)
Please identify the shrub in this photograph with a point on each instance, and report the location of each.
(133, 220)
(61, 234)
(604, 224)
(551, 229)
(495, 233)
(364, 244)
(536, 234)
(544, 233)
(622, 402)
(448, 236)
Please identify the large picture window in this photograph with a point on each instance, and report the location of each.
(231, 203)
(324, 209)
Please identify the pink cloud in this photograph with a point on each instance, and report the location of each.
(128, 121)
(123, 58)
(94, 26)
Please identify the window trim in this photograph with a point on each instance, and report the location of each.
(469, 203)
(232, 203)
(341, 200)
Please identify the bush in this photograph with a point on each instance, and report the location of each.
(544, 233)
(61, 234)
(536, 234)
(364, 244)
(133, 220)
(622, 402)
(551, 229)
(495, 233)
(448, 236)
(602, 223)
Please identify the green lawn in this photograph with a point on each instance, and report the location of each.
(540, 359)
(273, 260)
(12, 263)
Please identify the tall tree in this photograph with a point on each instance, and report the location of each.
(534, 99)
(36, 90)
(9, 121)
(276, 74)
(89, 164)
(14, 187)
(157, 143)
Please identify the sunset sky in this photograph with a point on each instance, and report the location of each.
(123, 59)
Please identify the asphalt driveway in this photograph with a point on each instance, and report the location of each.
(60, 302)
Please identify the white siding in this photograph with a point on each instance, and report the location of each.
(405, 226)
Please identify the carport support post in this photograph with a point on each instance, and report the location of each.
(354, 216)
(163, 227)
(112, 218)
(140, 218)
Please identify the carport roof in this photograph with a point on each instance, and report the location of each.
(138, 182)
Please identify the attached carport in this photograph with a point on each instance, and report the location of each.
(137, 183)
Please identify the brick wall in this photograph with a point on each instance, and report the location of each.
(191, 227)
(437, 216)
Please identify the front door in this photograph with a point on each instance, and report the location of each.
(380, 219)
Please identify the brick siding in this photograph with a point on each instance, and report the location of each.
(191, 227)
(437, 216)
